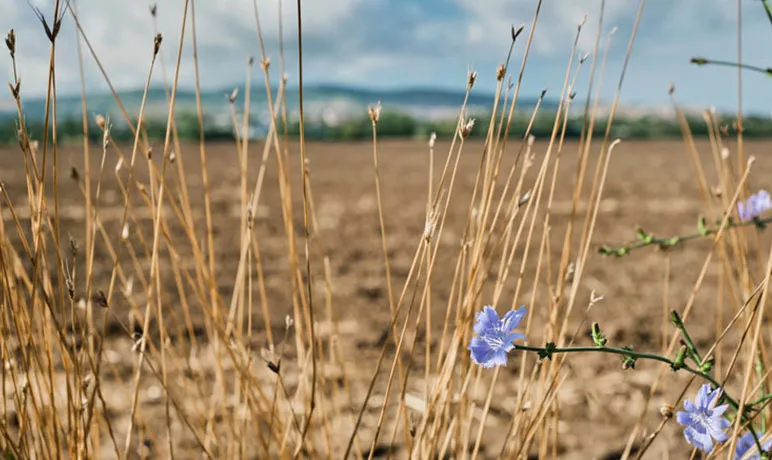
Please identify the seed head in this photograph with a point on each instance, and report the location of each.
(432, 140)
(105, 132)
(70, 284)
(139, 340)
(153, 9)
(100, 121)
(471, 77)
(15, 89)
(128, 288)
(10, 42)
(157, 43)
(517, 32)
(466, 130)
(270, 358)
(100, 299)
(583, 20)
(374, 111)
(431, 225)
(73, 246)
(500, 71)
(233, 95)
(666, 410)
(524, 199)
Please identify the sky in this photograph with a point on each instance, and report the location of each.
(406, 43)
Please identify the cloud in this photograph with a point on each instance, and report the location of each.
(388, 43)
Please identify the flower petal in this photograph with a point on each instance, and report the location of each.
(689, 405)
(515, 336)
(714, 396)
(684, 418)
(481, 351)
(499, 358)
(719, 410)
(716, 427)
(699, 440)
(512, 319)
(741, 211)
(486, 320)
(743, 445)
(702, 401)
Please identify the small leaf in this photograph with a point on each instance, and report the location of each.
(598, 338)
(707, 366)
(628, 361)
(701, 228)
(646, 238)
(678, 362)
(549, 349)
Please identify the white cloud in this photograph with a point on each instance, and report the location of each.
(394, 42)
(121, 33)
(557, 24)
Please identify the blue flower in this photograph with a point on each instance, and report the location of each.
(754, 206)
(703, 419)
(746, 443)
(495, 336)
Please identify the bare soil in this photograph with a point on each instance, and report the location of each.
(650, 184)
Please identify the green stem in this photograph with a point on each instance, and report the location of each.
(768, 9)
(703, 61)
(665, 243)
(761, 400)
(636, 355)
(550, 350)
(690, 347)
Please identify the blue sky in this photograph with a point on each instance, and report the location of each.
(410, 43)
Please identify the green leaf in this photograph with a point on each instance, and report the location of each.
(678, 362)
(598, 338)
(701, 228)
(628, 361)
(646, 238)
(549, 348)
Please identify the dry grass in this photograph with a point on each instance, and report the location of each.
(282, 300)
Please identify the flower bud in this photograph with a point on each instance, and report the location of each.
(598, 337)
(678, 362)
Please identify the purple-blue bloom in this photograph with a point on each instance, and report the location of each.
(755, 205)
(703, 420)
(495, 336)
(745, 444)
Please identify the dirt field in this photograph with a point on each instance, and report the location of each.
(650, 184)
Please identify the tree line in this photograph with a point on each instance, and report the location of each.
(395, 125)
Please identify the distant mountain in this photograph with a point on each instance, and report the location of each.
(328, 102)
